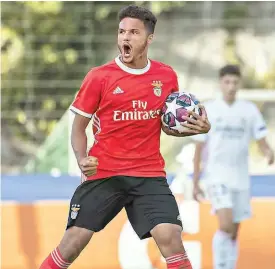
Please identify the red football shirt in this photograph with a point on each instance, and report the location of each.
(125, 105)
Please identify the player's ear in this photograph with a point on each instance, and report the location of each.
(150, 39)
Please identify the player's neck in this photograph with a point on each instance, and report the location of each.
(229, 101)
(139, 63)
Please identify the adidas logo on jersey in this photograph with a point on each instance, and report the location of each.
(118, 91)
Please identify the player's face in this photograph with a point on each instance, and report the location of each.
(230, 84)
(133, 40)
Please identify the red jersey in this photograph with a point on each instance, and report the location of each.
(125, 105)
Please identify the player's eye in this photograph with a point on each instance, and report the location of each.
(120, 31)
(135, 32)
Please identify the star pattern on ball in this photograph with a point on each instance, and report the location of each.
(172, 106)
(177, 107)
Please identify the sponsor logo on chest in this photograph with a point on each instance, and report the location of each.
(138, 111)
(139, 108)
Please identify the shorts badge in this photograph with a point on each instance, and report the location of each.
(74, 211)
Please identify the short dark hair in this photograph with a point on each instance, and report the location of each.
(141, 13)
(230, 69)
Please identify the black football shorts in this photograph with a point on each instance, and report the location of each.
(148, 202)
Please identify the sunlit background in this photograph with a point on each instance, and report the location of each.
(46, 50)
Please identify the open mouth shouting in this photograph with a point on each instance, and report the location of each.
(126, 51)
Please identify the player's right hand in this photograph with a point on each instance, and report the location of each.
(88, 165)
(198, 193)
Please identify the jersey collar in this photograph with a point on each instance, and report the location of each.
(228, 105)
(132, 70)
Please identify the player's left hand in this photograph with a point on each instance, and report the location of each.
(197, 123)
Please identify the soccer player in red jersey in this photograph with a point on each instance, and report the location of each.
(124, 168)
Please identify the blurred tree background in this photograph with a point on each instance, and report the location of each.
(48, 47)
(45, 46)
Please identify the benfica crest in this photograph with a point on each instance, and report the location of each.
(157, 87)
(74, 211)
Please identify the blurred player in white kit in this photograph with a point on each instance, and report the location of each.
(226, 147)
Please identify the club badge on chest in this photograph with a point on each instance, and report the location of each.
(157, 87)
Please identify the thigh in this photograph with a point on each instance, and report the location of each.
(236, 228)
(152, 203)
(225, 219)
(95, 203)
(220, 197)
(241, 206)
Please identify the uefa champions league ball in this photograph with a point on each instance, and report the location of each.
(176, 106)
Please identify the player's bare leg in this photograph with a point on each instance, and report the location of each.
(222, 241)
(235, 249)
(73, 242)
(168, 239)
(236, 228)
(225, 218)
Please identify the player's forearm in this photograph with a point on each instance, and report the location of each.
(197, 163)
(79, 144)
(264, 147)
(181, 134)
(197, 172)
(79, 137)
(175, 133)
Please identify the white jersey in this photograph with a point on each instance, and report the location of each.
(227, 143)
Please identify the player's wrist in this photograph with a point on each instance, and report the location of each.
(81, 158)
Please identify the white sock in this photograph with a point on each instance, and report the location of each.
(234, 254)
(222, 246)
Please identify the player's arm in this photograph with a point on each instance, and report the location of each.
(175, 133)
(87, 164)
(84, 106)
(259, 132)
(197, 162)
(266, 150)
(79, 137)
(194, 125)
(197, 191)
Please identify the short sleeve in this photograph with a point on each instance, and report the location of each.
(87, 99)
(175, 82)
(259, 129)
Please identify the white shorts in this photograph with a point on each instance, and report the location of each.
(221, 196)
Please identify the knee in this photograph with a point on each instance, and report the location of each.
(234, 234)
(227, 228)
(171, 238)
(73, 242)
